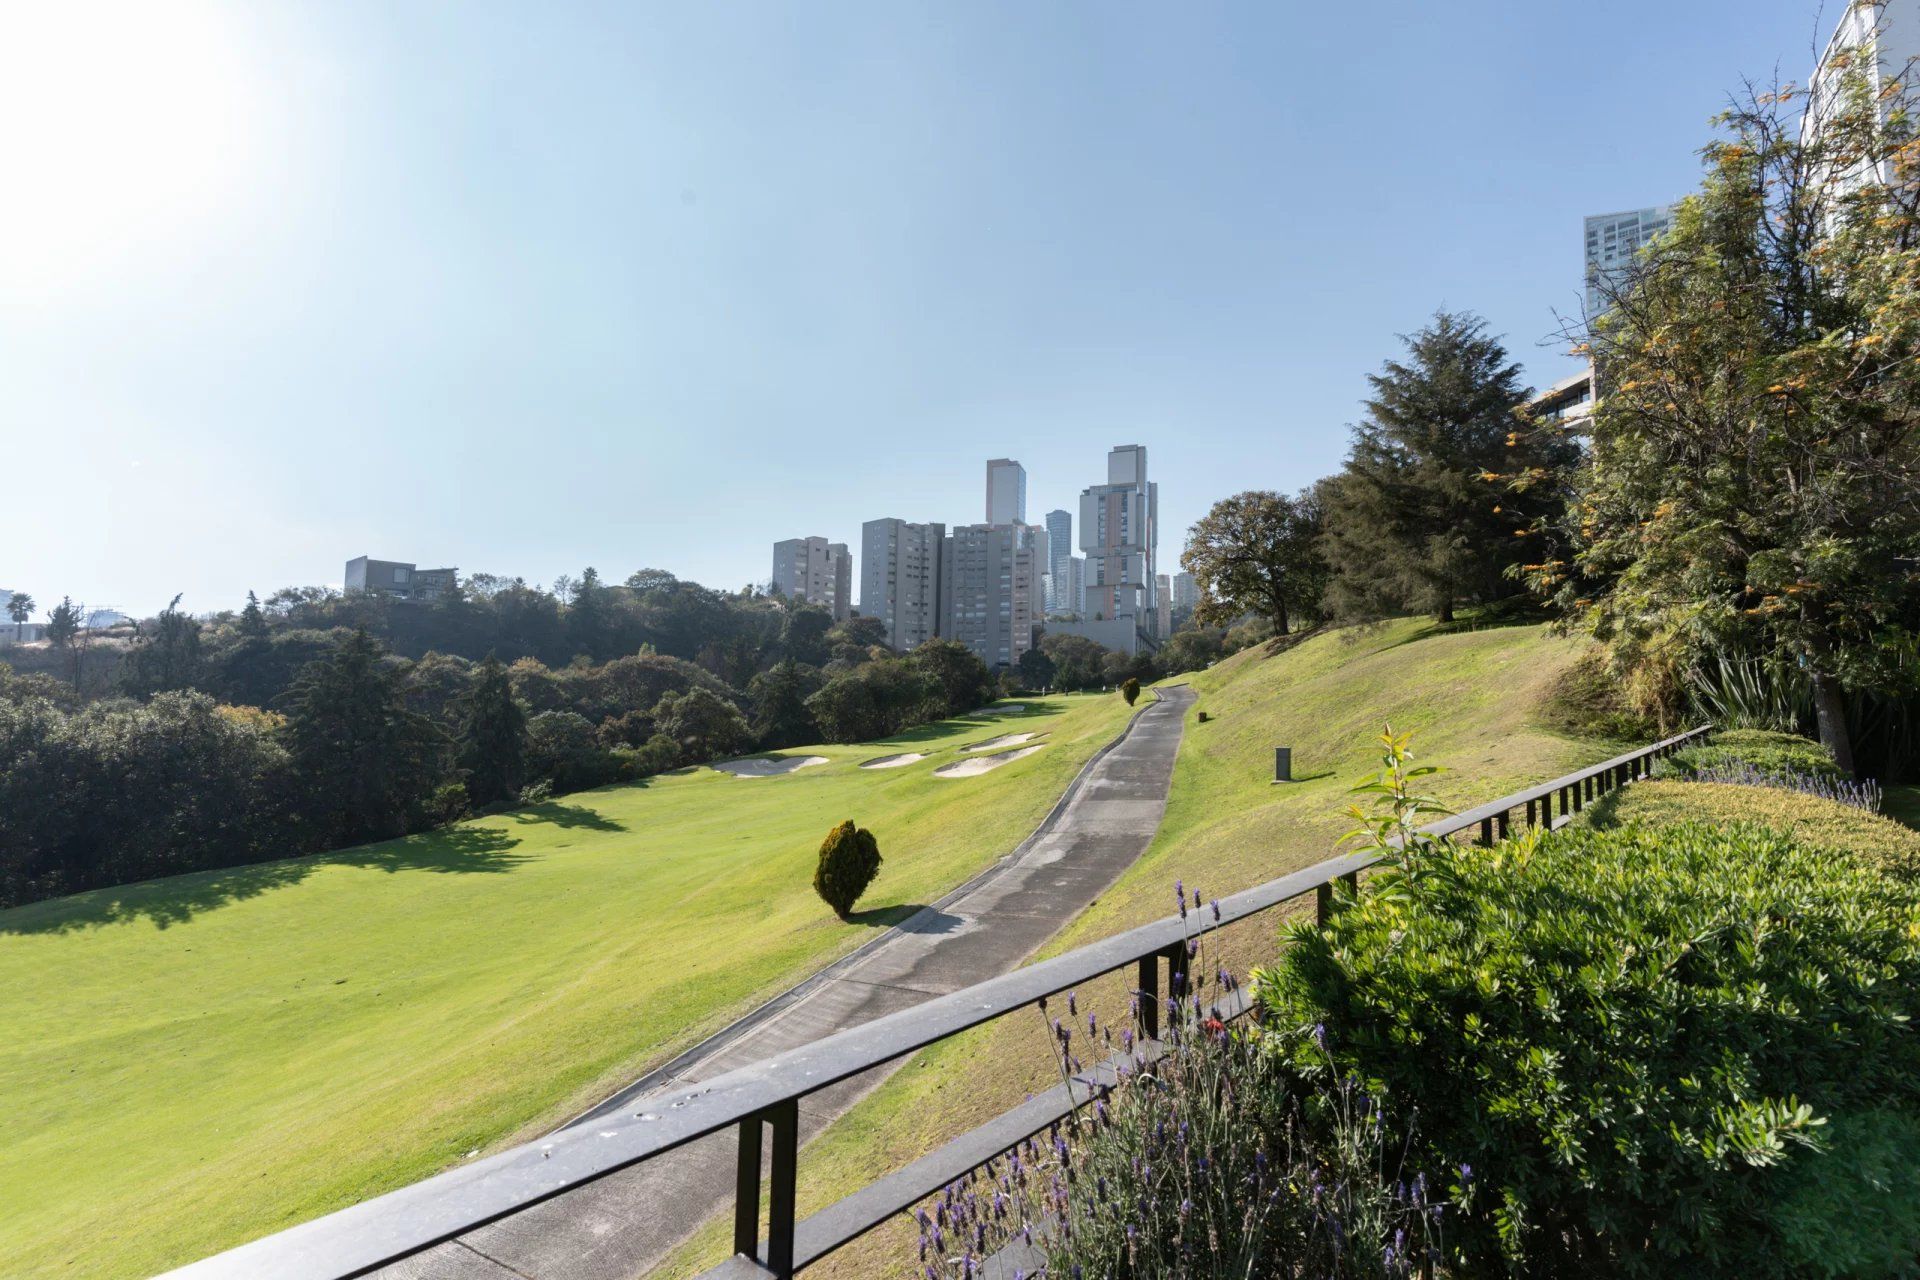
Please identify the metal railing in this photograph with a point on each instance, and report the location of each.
(761, 1100)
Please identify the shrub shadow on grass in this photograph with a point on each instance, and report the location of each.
(176, 900)
(568, 816)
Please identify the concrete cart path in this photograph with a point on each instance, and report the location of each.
(623, 1225)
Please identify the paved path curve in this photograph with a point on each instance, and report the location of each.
(621, 1226)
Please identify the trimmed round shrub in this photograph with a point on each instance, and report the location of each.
(1130, 690)
(849, 861)
(1639, 1048)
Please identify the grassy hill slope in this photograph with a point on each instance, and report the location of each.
(1479, 702)
(197, 1061)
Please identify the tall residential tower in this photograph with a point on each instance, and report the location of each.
(1006, 492)
(817, 571)
(1059, 568)
(1119, 533)
(900, 570)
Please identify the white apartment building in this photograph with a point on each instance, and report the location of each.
(1888, 33)
(900, 571)
(817, 571)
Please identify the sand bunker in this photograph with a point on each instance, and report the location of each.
(981, 764)
(1005, 740)
(762, 767)
(893, 762)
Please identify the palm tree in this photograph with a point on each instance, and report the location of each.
(19, 608)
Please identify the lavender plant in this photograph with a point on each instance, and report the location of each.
(1860, 795)
(1201, 1161)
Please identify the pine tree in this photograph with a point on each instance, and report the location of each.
(1415, 522)
(253, 621)
(494, 734)
(368, 761)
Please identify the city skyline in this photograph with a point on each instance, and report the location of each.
(315, 270)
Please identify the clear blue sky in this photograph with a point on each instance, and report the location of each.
(529, 287)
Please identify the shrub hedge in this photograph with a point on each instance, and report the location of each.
(1651, 1049)
(1812, 821)
(1763, 749)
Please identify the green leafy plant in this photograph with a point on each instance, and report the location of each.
(1130, 690)
(1630, 1038)
(1751, 693)
(849, 861)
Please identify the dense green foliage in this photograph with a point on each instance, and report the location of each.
(494, 735)
(368, 761)
(1412, 523)
(116, 792)
(849, 862)
(1259, 553)
(1655, 1043)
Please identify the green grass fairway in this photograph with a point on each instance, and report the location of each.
(1478, 703)
(197, 1061)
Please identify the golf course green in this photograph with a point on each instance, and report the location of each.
(197, 1061)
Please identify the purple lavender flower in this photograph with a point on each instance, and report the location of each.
(1072, 1008)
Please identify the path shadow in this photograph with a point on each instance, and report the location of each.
(936, 922)
(178, 899)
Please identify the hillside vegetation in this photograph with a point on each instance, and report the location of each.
(1479, 702)
(204, 1059)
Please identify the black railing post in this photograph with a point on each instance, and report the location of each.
(1178, 977)
(1486, 831)
(746, 1190)
(1149, 997)
(1323, 905)
(1500, 823)
(782, 1188)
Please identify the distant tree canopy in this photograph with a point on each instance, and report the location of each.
(1259, 552)
(1414, 521)
(165, 656)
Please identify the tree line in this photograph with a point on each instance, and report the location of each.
(315, 720)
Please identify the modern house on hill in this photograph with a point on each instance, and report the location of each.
(399, 579)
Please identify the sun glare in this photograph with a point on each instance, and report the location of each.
(124, 129)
